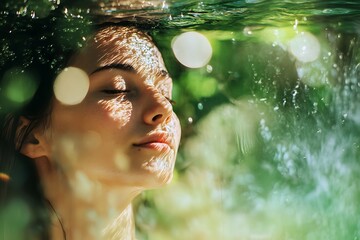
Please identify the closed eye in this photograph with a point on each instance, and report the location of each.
(114, 91)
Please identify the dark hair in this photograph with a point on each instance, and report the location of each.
(33, 53)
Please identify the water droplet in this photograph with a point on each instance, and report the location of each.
(200, 106)
(190, 120)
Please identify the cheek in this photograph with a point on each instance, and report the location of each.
(118, 110)
(174, 128)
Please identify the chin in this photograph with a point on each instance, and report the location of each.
(158, 173)
(164, 179)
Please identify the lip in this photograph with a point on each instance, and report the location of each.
(157, 141)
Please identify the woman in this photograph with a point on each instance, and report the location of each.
(93, 157)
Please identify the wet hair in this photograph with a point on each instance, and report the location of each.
(34, 51)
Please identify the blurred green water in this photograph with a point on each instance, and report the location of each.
(271, 144)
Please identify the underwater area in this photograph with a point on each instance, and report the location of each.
(268, 96)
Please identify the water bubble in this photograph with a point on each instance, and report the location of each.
(190, 120)
(71, 86)
(200, 106)
(192, 49)
(305, 47)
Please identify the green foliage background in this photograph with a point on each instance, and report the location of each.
(271, 145)
(270, 148)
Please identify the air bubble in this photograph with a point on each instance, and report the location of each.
(200, 106)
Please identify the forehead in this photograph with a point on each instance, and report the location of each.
(120, 45)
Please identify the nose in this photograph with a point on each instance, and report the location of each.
(158, 109)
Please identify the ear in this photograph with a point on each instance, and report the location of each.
(34, 145)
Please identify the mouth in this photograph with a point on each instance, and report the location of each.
(156, 141)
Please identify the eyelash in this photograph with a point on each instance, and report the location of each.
(172, 102)
(116, 91)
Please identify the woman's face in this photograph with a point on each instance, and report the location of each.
(125, 130)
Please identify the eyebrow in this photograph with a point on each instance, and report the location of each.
(125, 67)
(121, 66)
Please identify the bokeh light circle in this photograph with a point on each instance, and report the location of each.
(192, 49)
(71, 86)
(305, 47)
(19, 86)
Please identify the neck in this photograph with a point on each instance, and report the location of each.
(91, 210)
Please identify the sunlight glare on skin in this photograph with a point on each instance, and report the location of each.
(192, 49)
(92, 140)
(83, 186)
(122, 162)
(119, 109)
(161, 166)
(67, 147)
(305, 47)
(150, 81)
(137, 50)
(113, 232)
(71, 86)
(171, 126)
(120, 82)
